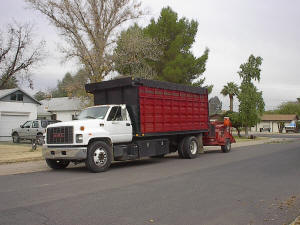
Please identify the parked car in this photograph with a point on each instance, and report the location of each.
(291, 128)
(31, 130)
(265, 128)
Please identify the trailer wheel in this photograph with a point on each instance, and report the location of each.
(189, 147)
(99, 157)
(57, 164)
(227, 147)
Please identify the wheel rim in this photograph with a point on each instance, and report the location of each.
(100, 157)
(193, 147)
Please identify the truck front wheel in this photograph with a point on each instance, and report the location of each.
(57, 164)
(227, 147)
(99, 157)
(189, 147)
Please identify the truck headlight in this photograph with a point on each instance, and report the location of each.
(79, 138)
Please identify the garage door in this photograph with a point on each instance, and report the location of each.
(8, 122)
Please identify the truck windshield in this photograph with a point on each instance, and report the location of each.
(93, 113)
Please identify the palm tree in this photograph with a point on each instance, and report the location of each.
(230, 89)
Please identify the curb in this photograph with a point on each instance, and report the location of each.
(296, 221)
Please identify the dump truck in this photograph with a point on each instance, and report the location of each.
(135, 118)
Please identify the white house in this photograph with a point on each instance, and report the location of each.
(16, 107)
(271, 121)
(63, 109)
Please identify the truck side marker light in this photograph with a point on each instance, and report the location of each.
(90, 134)
(82, 128)
(137, 135)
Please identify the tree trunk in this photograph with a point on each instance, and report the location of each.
(246, 131)
(231, 103)
(238, 132)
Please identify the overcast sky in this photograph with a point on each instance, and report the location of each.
(231, 29)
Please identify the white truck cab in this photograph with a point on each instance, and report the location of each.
(67, 141)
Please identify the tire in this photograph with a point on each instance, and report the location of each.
(39, 139)
(16, 138)
(99, 157)
(57, 164)
(227, 147)
(189, 147)
(180, 152)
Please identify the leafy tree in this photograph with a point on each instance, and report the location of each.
(40, 95)
(289, 108)
(177, 63)
(71, 85)
(76, 87)
(231, 89)
(89, 28)
(235, 120)
(214, 105)
(134, 51)
(60, 90)
(251, 101)
(18, 54)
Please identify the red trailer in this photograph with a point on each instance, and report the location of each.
(219, 134)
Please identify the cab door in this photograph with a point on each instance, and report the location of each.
(119, 125)
(34, 129)
(25, 130)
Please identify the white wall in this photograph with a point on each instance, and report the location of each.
(272, 124)
(64, 115)
(27, 110)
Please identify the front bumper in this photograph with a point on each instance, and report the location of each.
(71, 153)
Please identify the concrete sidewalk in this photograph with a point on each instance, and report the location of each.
(36, 166)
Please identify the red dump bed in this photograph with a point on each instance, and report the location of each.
(156, 107)
(164, 110)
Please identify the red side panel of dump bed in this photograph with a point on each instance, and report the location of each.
(169, 110)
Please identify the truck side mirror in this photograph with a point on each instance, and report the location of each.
(21, 126)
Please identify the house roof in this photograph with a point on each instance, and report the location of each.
(279, 117)
(59, 104)
(6, 92)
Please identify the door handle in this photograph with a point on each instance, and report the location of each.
(128, 124)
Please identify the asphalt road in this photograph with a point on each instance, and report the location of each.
(250, 185)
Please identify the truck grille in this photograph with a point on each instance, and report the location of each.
(60, 135)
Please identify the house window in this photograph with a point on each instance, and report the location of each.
(16, 97)
(20, 97)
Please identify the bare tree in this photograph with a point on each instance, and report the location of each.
(89, 27)
(18, 54)
(135, 52)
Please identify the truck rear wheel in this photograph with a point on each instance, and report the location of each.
(227, 147)
(57, 164)
(99, 157)
(189, 147)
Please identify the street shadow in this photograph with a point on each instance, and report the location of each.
(80, 168)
